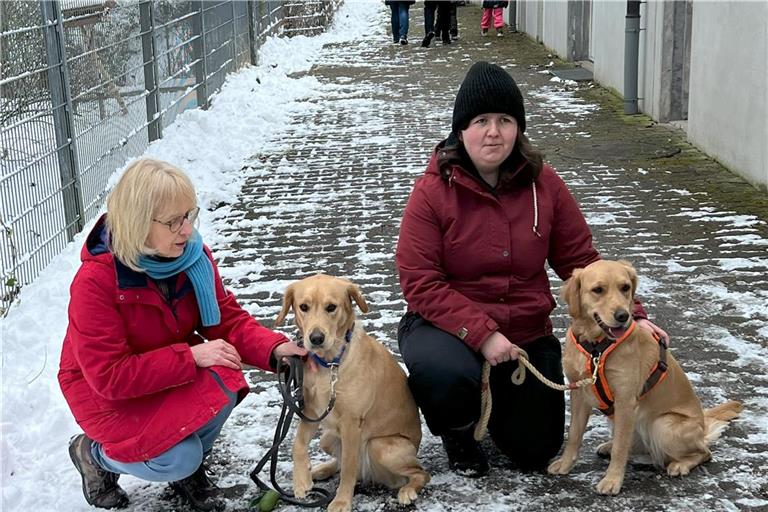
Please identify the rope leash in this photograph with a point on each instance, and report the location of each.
(517, 378)
(290, 382)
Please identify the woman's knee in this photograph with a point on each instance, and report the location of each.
(179, 462)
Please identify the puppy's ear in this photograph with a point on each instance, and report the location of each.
(632, 273)
(571, 293)
(354, 294)
(287, 303)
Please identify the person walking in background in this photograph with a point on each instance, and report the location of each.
(454, 28)
(136, 370)
(493, 10)
(453, 24)
(476, 236)
(400, 19)
(443, 9)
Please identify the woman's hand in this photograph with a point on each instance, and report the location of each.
(498, 349)
(288, 349)
(655, 329)
(216, 353)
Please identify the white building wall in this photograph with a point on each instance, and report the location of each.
(728, 101)
(608, 36)
(650, 58)
(555, 33)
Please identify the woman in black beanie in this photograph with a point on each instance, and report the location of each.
(479, 228)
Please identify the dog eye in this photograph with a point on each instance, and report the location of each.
(597, 289)
(330, 308)
(304, 307)
(625, 288)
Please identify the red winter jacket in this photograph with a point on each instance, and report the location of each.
(126, 368)
(471, 263)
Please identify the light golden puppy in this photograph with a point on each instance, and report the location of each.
(666, 421)
(373, 431)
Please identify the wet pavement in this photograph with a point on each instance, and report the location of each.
(329, 195)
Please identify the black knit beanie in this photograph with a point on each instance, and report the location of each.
(487, 88)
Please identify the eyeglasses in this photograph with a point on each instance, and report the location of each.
(176, 223)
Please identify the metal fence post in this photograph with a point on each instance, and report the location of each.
(61, 99)
(147, 24)
(251, 35)
(199, 54)
(234, 37)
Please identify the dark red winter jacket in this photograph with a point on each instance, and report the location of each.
(471, 261)
(126, 367)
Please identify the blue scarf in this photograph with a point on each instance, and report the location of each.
(198, 267)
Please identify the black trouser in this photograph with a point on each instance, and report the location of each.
(527, 421)
(443, 18)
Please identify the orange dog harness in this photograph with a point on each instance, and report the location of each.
(597, 352)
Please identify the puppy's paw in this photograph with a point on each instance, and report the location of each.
(678, 469)
(340, 505)
(325, 470)
(604, 450)
(560, 467)
(302, 483)
(609, 485)
(407, 495)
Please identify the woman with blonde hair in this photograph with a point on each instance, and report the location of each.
(151, 361)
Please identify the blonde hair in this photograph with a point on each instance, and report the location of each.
(146, 187)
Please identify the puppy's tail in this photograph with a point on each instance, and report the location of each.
(717, 418)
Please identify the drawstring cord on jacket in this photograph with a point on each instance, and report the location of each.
(535, 211)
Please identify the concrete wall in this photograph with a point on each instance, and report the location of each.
(728, 103)
(608, 36)
(555, 26)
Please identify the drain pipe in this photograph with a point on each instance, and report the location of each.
(631, 52)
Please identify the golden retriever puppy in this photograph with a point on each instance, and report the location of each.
(373, 431)
(656, 410)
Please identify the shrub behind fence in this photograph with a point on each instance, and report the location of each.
(86, 85)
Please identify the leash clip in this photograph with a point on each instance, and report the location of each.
(595, 368)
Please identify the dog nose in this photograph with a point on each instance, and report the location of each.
(316, 338)
(621, 315)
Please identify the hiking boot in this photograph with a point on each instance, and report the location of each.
(99, 485)
(199, 491)
(427, 40)
(465, 457)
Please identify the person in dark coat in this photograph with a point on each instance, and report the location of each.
(453, 24)
(151, 361)
(400, 19)
(493, 10)
(477, 232)
(443, 9)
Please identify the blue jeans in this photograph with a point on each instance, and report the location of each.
(399, 20)
(181, 460)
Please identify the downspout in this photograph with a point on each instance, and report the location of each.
(631, 52)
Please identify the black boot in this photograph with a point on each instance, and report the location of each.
(427, 40)
(99, 485)
(199, 491)
(465, 456)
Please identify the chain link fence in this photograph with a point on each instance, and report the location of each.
(86, 85)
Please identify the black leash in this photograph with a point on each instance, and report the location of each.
(290, 382)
